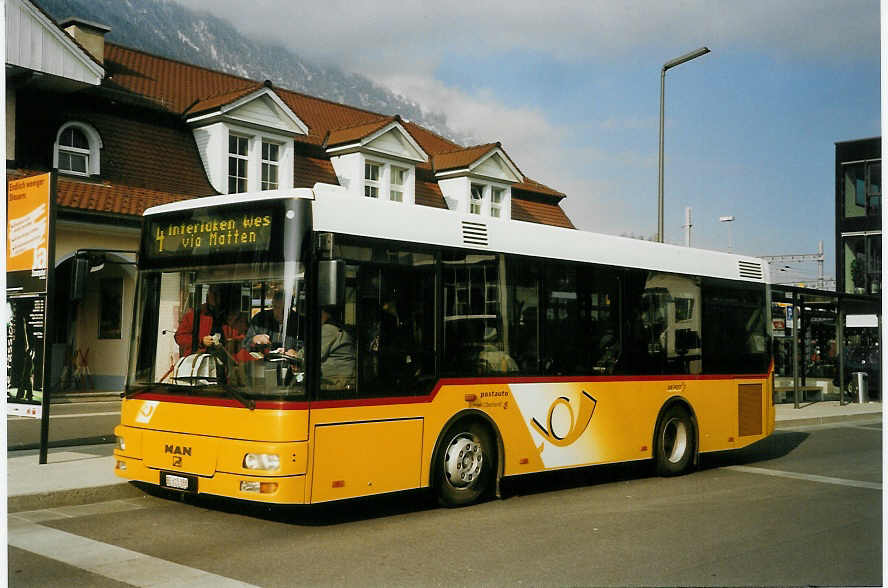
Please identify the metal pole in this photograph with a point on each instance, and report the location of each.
(796, 327)
(688, 226)
(669, 64)
(660, 159)
(840, 349)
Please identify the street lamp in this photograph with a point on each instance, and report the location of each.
(728, 219)
(668, 65)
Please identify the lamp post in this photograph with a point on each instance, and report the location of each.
(668, 65)
(728, 219)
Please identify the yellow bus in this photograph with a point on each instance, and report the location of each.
(304, 346)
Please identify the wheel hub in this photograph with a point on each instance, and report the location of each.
(462, 461)
(675, 440)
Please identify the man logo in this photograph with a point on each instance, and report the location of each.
(556, 432)
(147, 411)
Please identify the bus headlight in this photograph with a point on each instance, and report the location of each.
(262, 461)
(121, 442)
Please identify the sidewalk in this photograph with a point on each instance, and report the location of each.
(81, 475)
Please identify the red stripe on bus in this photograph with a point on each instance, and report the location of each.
(479, 381)
(228, 402)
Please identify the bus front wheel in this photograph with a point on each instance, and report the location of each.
(675, 442)
(465, 464)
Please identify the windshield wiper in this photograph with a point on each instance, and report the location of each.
(239, 396)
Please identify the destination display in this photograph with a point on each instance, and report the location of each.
(218, 232)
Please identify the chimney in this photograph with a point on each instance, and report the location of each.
(90, 35)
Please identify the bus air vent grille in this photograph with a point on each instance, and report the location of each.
(474, 233)
(750, 409)
(751, 270)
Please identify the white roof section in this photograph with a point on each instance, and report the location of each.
(225, 199)
(337, 212)
(33, 41)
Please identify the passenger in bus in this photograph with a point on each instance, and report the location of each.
(266, 328)
(211, 323)
(337, 353)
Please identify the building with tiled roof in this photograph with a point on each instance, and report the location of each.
(127, 130)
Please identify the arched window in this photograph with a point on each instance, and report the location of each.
(77, 149)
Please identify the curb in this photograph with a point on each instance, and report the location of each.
(84, 397)
(72, 497)
(824, 420)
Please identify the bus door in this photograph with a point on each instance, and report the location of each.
(376, 346)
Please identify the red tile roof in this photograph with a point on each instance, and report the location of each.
(529, 185)
(215, 102)
(356, 133)
(145, 164)
(461, 158)
(103, 197)
(534, 211)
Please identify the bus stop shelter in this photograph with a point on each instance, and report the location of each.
(827, 346)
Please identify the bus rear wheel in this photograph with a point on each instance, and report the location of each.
(675, 442)
(465, 464)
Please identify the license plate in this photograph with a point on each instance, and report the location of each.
(178, 482)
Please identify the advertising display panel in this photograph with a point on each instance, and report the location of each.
(29, 251)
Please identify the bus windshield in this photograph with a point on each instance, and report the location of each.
(212, 325)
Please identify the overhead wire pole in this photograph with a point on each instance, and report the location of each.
(802, 257)
(668, 65)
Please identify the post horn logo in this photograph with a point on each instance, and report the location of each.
(579, 422)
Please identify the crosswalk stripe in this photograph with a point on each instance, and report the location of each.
(110, 561)
(807, 477)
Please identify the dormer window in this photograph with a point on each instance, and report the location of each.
(477, 199)
(247, 143)
(371, 179)
(376, 160)
(399, 180)
(76, 150)
(270, 162)
(238, 160)
(496, 202)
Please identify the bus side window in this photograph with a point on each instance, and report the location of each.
(395, 325)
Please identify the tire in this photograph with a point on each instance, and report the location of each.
(465, 464)
(675, 442)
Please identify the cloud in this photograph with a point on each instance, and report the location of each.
(413, 36)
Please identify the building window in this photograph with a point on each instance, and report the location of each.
(496, 202)
(371, 179)
(398, 182)
(270, 158)
(863, 264)
(238, 158)
(863, 189)
(73, 151)
(477, 198)
(76, 150)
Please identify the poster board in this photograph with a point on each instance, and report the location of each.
(29, 212)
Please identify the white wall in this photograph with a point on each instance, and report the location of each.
(108, 358)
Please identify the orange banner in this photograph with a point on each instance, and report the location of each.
(27, 228)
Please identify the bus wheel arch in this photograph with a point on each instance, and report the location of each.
(676, 438)
(476, 437)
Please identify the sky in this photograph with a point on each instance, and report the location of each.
(571, 90)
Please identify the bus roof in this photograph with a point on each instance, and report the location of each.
(336, 211)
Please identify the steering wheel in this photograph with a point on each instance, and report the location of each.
(273, 356)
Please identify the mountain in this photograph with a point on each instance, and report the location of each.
(168, 29)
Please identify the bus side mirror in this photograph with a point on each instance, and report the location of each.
(79, 277)
(331, 282)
